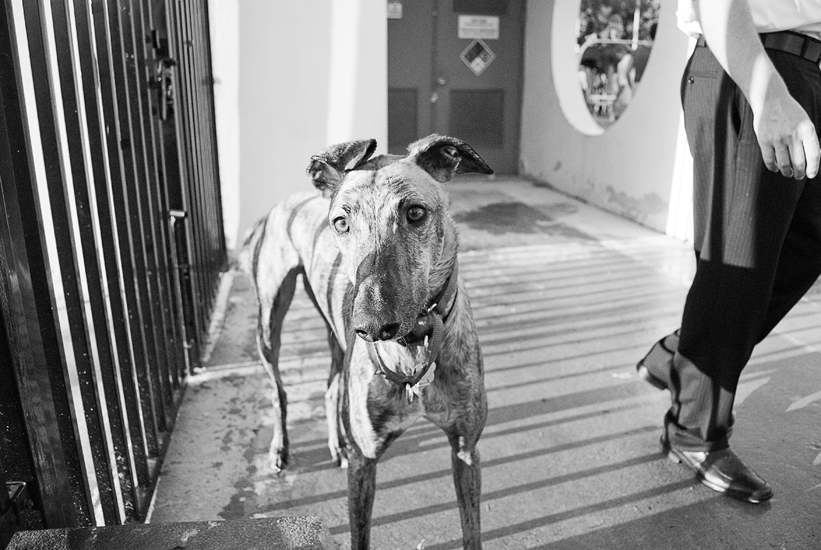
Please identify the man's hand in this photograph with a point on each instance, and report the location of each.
(787, 137)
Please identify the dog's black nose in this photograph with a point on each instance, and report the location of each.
(372, 334)
(388, 331)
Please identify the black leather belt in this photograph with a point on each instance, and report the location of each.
(787, 41)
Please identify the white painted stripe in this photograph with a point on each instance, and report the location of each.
(804, 401)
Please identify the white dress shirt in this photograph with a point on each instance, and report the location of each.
(768, 16)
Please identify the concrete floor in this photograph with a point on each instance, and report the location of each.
(567, 298)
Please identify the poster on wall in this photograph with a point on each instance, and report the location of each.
(478, 56)
(479, 26)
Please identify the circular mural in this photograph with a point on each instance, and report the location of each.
(612, 41)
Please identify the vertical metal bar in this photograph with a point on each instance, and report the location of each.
(159, 63)
(137, 398)
(94, 77)
(139, 214)
(93, 178)
(216, 197)
(88, 238)
(146, 67)
(117, 121)
(179, 171)
(175, 174)
(192, 207)
(201, 227)
(24, 297)
(5, 501)
(68, 270)
(187, 252)
(146, 176)
(15, 458)
(211, 188)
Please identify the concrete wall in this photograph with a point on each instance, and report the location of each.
(294, 77)
(638, 167)
(306, 74)
(224, 27)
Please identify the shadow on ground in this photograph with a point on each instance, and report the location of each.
(566, 299)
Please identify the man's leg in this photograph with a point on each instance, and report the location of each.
(743, 218)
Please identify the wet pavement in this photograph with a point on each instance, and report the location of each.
(566, 298)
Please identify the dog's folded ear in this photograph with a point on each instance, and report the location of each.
(328, 168)
(443, 156)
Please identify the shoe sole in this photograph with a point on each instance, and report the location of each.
(675, 457)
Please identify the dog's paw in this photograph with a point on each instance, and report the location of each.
(339, 456)
(278, 461)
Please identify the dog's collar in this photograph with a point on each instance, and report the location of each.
(416, 382)
(441, 305)
(447, 296)
(429, 328)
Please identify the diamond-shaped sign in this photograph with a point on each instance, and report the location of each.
(478, 56)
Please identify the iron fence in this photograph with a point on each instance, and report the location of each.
(111, 246)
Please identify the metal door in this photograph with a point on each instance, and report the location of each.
(455, 67)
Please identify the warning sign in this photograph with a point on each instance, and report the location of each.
(478, 56)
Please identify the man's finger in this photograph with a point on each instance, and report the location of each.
(782, 160)
(799, 164)
(812, 151)
(768, 154)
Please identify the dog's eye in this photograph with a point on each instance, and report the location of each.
(416, 214)
(341, 224)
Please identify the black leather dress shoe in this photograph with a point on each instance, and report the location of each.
(721, 471)
(660, 356)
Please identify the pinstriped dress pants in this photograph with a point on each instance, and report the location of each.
(757, 243)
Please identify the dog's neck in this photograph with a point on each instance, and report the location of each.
(445, 264)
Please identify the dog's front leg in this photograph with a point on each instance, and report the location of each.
(467, 478)
(361, 490)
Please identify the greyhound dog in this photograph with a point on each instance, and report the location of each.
(377, 252)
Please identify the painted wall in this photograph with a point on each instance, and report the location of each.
(294, 77)
(638, 168)
(307, 74)
(224, 28)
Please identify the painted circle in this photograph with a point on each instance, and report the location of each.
(566, 69)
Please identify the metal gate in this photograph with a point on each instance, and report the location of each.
(111, 246)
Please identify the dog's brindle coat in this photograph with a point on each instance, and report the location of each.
(375, 250)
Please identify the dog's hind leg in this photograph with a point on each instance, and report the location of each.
(467, 478)
(336, 430)
(272, 310)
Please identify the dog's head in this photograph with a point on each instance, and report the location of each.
(389, 216)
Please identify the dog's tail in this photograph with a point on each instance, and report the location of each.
(250, 246)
